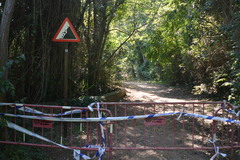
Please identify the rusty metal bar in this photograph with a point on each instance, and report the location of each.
(186, 134)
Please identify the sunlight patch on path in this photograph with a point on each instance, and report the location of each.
(144, 92)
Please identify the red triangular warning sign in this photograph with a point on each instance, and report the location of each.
(66, 33)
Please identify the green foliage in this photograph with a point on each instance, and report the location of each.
(3, 122)
(137, 17)
(6, 86)
(170, 41)
(189, 42)
(193, 42)
(228, 15)
(11, 152)
(83, 101)
(40, 77)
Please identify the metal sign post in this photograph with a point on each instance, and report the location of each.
(65, 95)
(66, 74)
(66, 33)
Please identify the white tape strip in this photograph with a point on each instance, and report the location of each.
(101, 150)
(111, 128)
(103, 119)
(18, 104)
(66, 107)
(90, 107)
(76, 154)
(181, 113)
(216, 149)
(31, 110)
(60, 119)
(25, 131)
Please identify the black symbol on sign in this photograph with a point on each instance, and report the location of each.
(68, 34)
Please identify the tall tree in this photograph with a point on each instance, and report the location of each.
(4, 33)
(98, 19)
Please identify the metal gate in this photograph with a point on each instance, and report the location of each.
(174, 132)
(50, 133)
(127, 126)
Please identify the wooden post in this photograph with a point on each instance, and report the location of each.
(66, 33)
(65, 126)
(66, 74)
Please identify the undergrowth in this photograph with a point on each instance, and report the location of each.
(14, 152)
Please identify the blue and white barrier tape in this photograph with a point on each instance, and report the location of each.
(21, 107)
(60, 119)
(34, 111)
(102, 149)
(23, 130)
(77, 153)
(102, 119)
(233, 112)
(216, 149)
(99, 153)
(211, 118)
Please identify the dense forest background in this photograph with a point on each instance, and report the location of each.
(195, 43)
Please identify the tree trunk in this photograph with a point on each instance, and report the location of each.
(100, 15)
(4, 33)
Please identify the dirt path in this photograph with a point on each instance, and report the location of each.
(148, 92)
